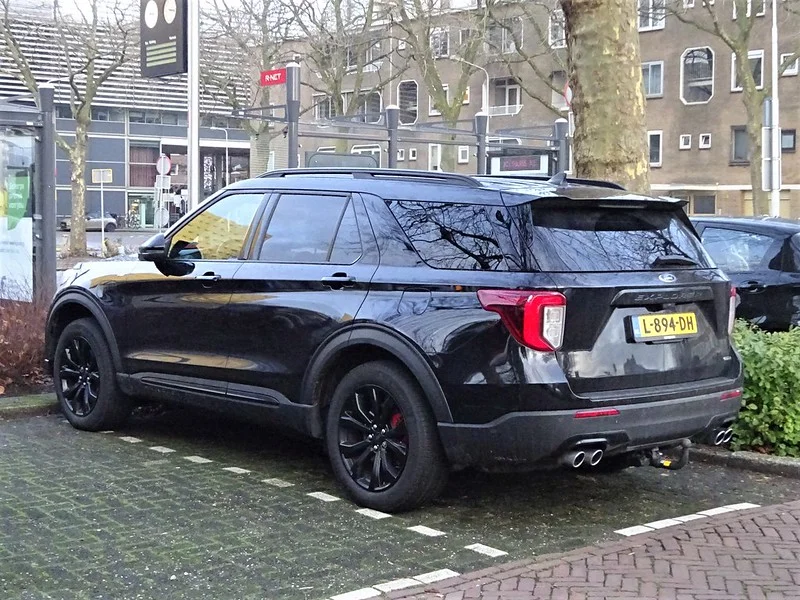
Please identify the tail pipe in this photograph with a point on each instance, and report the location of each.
(722, 436)
(658, 459)
(573, 459)
(595, 457)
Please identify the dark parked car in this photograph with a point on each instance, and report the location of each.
(762, 258)
(416, 322)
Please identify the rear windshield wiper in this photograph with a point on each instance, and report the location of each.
(677, 260)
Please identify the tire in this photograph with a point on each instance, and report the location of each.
(111, 228)
(403, 420)
(85, 379)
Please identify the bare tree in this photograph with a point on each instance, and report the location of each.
(245, 37)
(94, 39)
(733, 23)
(609, 143)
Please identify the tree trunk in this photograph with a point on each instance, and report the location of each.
(77, 158)
(755, 121)
(605, 74)
(259, 152)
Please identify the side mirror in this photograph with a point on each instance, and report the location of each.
(154, 249)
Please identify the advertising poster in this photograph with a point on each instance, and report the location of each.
(16, 235)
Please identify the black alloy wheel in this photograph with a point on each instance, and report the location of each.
(79, 376)
(373, 440)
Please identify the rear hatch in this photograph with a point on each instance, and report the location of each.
(646, 306)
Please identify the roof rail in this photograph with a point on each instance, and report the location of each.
(560, 179)
(364, 173)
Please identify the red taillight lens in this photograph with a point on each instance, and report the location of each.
(731, 395)
(534, 318)
(732, 310)
(592, 414)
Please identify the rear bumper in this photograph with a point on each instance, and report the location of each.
(540, 438)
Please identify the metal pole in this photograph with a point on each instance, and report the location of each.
(293, 111)
(775, 200)
(193, 138)
(392, 124)
(481, 127)
(560, 130)
(47, 201)
(102, 219)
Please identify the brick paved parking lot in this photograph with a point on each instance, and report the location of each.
(179, 506)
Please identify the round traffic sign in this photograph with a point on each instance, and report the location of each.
(163, 165)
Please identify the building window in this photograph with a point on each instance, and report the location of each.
(792, 68)
(102, 113)
(688, 3)
(401, 155)
(558, 80)
(369, 107)
(433, 111)
(434, 157)
(142, 157)
(407, 99)
(653, 78)
(756, 60)
(697, 75)
(760, 8)
(788, 140)
(556, 34)
(63, 111)
(652, 14)
(440, 42)
(412, 154)
(685, 142)
(505, 37)
(373, 150)
(654, 145)
(326, 149)
(506, 97)
(740, 145)
(704, 141)
(703, 204)
(323, 107)
(463, 155)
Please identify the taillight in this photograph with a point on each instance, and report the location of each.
(534, 319)
(732, 310)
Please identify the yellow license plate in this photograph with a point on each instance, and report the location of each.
(664, 326)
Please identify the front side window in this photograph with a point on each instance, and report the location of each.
(311, 229)
(697, 75)
(736, 251)
(218, 231)
(653, 79)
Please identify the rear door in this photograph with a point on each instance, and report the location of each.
(306, 277)
(645, 307)
(753, 260)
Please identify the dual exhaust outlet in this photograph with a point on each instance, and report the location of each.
(578, 458)
(722, 436)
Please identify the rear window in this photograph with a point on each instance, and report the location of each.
(608, 239)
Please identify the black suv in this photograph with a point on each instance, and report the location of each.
(416, 322)
(762, 258)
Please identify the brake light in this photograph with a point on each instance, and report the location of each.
(534, 318)
(731, 395)
(591, 414)
(732, 310)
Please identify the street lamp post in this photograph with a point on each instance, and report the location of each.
(775, 139)
(227, 158)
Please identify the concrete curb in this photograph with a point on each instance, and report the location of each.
(28, 406)
(748, 461)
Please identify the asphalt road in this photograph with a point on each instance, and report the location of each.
(182, 505)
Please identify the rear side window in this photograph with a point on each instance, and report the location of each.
(738, 251)
(312, 229)
(455, 236)
(607, 239)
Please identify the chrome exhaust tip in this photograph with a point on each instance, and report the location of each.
(574, 459)
(595, 457)
(719, 437)
(728, 435)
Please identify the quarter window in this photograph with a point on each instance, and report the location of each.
(736, 251)
(697, 75)
(311, 229)
(218, 231)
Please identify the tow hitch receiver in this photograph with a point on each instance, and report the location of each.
(665, 461)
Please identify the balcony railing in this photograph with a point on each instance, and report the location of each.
(505, 111)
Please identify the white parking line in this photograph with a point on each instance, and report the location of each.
(162, 449)
(277, 482)
(237, 470)
(487, 550)
(130, 439)
(198, 459)
(425, 530)
(397, 584)
(323, 496)
(373, 514)
(635, 530)
(654, 525)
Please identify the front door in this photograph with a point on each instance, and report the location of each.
(308, 276)
(176, 326)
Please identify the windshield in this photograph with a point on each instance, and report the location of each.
(609, 239)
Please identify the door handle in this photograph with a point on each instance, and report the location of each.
(753, 287)
(339, 280)
(209, 277)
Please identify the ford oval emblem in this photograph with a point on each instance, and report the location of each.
(667, 278)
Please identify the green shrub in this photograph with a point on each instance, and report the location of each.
(770, 416)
